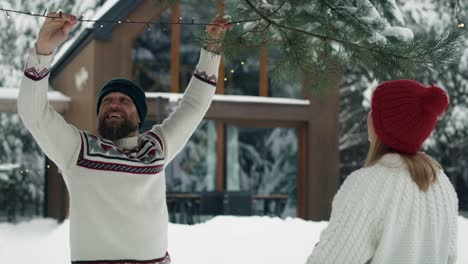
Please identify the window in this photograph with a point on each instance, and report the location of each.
(152, 57)
(263, 161)
(194, 168)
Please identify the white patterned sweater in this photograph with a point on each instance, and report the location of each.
(379, 216)
(117, 189)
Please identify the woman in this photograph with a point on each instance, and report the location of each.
(400, 207)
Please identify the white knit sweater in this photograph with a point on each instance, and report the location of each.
(117, 195)
(380, 216)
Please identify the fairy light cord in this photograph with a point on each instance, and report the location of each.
(147, 23)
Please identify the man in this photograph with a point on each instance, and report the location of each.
(116, 181)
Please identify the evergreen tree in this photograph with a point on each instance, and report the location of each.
(316, 36)
(450, 139)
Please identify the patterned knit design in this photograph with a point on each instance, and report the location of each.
(380, 216)
(36, 74)
(101, 154)
(203, 76)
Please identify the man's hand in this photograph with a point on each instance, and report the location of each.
(216, 30)
(54, 32)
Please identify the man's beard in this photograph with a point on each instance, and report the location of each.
(114, 131)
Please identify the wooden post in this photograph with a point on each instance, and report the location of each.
(221, 157)
(263, 72)
(301, 178)
(323, 153)
(221, 72)
(220, 125)
(175, 46)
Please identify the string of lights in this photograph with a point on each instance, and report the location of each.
(101, 22)
(148, 24)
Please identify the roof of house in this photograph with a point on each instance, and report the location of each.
(112, 10)
(9, 96)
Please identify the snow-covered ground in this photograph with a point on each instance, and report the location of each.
(223, 239)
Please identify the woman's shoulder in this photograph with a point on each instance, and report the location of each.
(363, 178)
(383, 172)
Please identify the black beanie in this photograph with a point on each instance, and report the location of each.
(133, 90)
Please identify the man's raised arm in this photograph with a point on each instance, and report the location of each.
(179, 126)
(59, 140)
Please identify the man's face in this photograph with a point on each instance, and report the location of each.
(118, 117)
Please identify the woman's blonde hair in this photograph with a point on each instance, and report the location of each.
(422, 168)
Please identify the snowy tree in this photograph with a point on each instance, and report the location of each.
(354, 105)
(366, 41)
(24, 184)
(449, 142)
(314, 36)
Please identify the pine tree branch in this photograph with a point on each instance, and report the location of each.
(324, 38)
(334, 8)
(395, 58)
(262, 17)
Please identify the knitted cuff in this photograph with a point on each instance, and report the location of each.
(37, 66)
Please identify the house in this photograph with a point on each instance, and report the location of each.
(161, 57)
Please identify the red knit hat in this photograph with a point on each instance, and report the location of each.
(404, 113)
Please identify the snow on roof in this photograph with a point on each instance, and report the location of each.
(106, 7)
(12, 94)
(83, 27)
(234, 98)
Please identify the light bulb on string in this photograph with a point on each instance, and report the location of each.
(100, 23)
(461, 25)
